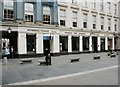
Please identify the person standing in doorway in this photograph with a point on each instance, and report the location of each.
(7, 52)
(12, 52)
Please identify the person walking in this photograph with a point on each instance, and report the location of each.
(7, 52)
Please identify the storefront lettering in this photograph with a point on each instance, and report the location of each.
(32, 30)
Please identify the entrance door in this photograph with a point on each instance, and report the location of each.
(94, 42)
(46, 46)
(10, 39)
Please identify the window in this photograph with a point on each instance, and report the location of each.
(85, 3)
(101, 5)
(93, 4)
(8, 9)
(46, 15)
(94, 22)
(74, 19)
(115, 9)
(109, 24)
(74, 1)
(115, 26)
(102, 23)
(109, 7)
(84, 20)
(62, 17)
(29, 12)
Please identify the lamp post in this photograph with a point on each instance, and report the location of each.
(9, 30)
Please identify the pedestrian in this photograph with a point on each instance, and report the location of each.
(48, 59)
(3, 52)
(12, 51)
(7, 52)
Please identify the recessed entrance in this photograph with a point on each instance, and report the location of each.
(10, 40)
(94, 44)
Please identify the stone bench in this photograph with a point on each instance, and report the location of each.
(74, 59)
(42, 62)
(112, 55)
(26, 60)
(97, 57)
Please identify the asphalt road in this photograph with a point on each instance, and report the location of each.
(102, 77)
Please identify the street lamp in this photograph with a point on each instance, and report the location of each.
(9, 30)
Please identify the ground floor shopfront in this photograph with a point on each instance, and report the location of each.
(38, 41)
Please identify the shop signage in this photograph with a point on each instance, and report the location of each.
(47, 37)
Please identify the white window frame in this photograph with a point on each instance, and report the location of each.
(74, 17)
(109, 24)
(46, 11)
(63, 15)
(115, 9)
(8, 5)
(74, 2)
(93, 4)
(101, 5)
(29, 10)
(109, 7)
(85, 17)
(102, 22)
(94, 20)
(85, 3)
(115, 25)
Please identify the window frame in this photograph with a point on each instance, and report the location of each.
(62, 17)
(29, 12)
(85, 20)
(46, 14)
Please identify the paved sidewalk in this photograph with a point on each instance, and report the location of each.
(15, 72)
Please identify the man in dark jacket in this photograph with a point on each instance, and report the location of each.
(48, 59)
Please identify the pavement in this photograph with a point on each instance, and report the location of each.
(14, 72)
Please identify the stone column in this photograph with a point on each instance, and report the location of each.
(99, 42)
(90, 43)
(22, 49)
(56, 44)
(113, 43)
(69, 44)
(39, 44)
(106, 43)
(81, 43)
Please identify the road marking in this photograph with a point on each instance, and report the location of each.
(61, 77)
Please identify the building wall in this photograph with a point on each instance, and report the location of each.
(56, 30)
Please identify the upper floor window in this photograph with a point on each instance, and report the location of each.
(109, 7)
(115, 9)
(29, 12)
(115, 25)
(62, 17)
(101, 5)
(85, 3)
(93, 4)
(8, 9)
(74, 19)
(74, 1)
(109, 24)
(84, 20)
(94, 22)
(46, 14)
(102, 23)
